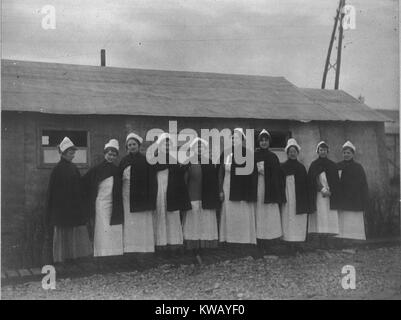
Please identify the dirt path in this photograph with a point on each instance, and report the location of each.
(315, 275)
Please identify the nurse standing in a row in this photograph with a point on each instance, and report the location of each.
(139, 198)
(200, 223)
(237, 224)
(354, 196)
(294, 213)
(65, 210)
(172, 197)
(324, 191)
(269, 191)
(104, 201)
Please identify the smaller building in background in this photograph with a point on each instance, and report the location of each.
(392, 131)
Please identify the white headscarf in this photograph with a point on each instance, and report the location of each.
(292, 143)
(66, 144)
(133, 135)
(113, 143)
(319, 144)
(349, 144)
(240, 131)
(264, 131)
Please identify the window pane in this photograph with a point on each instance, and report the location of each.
(51, 156)
(52, 138)
(80, 157)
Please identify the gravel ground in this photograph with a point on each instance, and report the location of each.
(315, 275)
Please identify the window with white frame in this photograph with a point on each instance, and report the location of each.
(51, 138)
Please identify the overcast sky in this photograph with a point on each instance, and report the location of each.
(265, 37)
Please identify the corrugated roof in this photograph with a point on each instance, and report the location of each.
(77, 89)
(343, 105)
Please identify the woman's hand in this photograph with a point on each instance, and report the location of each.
(325, 192)
(261, 167)
(221, 196)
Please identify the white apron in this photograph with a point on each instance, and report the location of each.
(237, 224)
(167, 223)
(268, 219)
(138, 226)
(323, 220)
(351, 224)
(294, 225)
(200, 224)
(108, 239)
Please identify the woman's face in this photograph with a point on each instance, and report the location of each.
(132, 146)
(292, 153)
(69, 155)
(348, 154)
(264, 142)
(323, 151)
(110, 156)
(237, 138)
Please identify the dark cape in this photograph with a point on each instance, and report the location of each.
(240, 185)
(177, 190)
(273, 175)
(64, 197)
(210, 187)
(210, 184)
(330, 168)
(298, 170)
(91, 182)
(353, 186)
(143, 183)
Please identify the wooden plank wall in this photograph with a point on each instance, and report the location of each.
(24, 183)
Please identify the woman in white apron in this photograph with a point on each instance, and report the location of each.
(66, 218)
(172, 197)
(354, 196)
(270, 192)
(103, 185)
(200, 223)
(324, 193)
(294, 213)
(237, 223)
(139, 198)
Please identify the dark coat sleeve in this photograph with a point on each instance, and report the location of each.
(302, 191)
(65, 199)
(89, 192)
(364, 189)
(210, 187)
(117, 215)
(49, 202)
(334, 183)
(274, 181)
(312, 187)
(177, 190)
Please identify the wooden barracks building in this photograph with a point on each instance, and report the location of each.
(43, 102)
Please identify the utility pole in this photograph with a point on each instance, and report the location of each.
(339, 18)
(339, 46)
